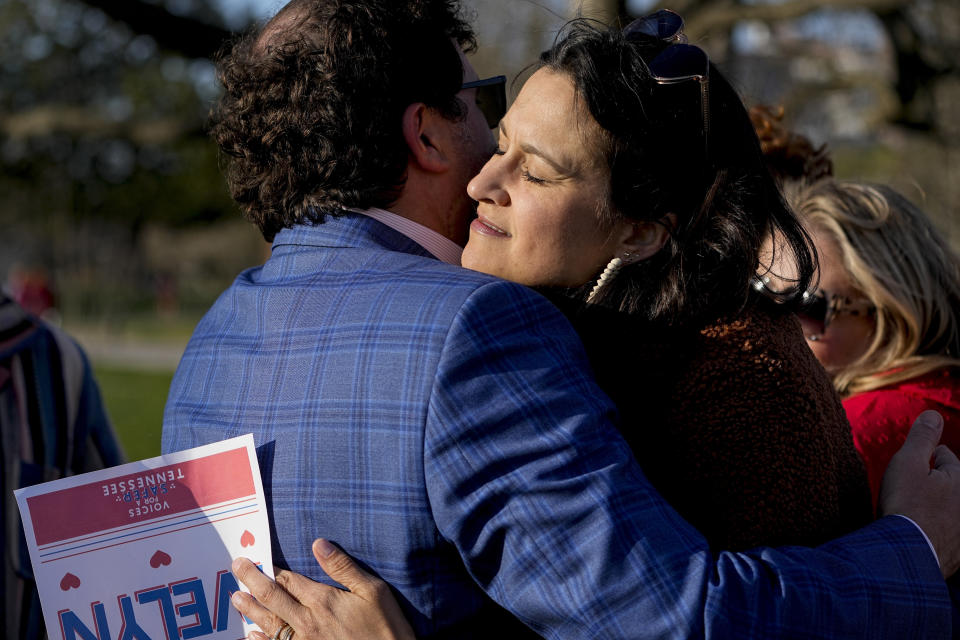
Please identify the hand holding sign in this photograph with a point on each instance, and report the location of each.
(153, 542)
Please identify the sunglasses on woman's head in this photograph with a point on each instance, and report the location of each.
(663, 25)
(491, 98)
(680, 62)
(822, 307)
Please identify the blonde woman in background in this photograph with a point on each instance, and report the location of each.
(883, 319)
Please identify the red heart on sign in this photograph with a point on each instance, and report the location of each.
(69, 581)
(247, 539)
(159, 558)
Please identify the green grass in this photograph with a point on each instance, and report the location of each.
(134, 401)
(176, 328)
(144, 326)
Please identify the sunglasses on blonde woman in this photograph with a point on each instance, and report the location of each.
(822, 307)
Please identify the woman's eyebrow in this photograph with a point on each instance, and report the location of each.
(528, 148)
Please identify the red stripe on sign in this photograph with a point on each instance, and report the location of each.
(153, 523)
(141, 496)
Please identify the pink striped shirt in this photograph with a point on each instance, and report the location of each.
(442, 248)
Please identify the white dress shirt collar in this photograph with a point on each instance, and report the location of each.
(441, 247)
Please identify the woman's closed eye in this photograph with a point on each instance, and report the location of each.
(526, 175)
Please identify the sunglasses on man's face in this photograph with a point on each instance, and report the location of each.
(680, 62)
(491, 98)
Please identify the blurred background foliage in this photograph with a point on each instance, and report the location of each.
(112, 205)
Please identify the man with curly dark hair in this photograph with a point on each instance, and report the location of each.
(311, 107)
(440, 424)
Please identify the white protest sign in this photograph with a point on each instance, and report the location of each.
(142, 551)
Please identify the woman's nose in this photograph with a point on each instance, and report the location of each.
(487, 186)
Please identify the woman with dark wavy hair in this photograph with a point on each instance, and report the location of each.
(629, 186)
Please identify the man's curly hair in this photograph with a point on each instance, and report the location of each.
(310, 116)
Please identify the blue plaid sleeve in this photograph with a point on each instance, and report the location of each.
(553, 518)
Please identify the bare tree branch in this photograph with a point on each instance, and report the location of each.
(720, 16)
(187, 36)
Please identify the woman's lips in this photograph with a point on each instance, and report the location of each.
(487, 228)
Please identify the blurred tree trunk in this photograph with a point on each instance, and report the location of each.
(923, 62)
(607, 11)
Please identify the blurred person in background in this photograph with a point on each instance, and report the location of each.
(31, 289)
(884, 318)
(791, 157)
(53, 424)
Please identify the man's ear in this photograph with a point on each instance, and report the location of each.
(423, 131)
(641, 240)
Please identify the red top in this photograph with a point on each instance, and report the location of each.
(881, 418)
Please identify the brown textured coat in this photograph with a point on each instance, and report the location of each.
(736, 423)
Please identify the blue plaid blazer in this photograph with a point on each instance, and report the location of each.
(442, 427)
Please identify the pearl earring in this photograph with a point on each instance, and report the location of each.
(611, 270)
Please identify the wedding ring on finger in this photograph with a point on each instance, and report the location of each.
(285, 632)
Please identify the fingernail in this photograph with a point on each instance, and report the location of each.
(324, 547)
(237, 598)
(931, 418)
(236, 565)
